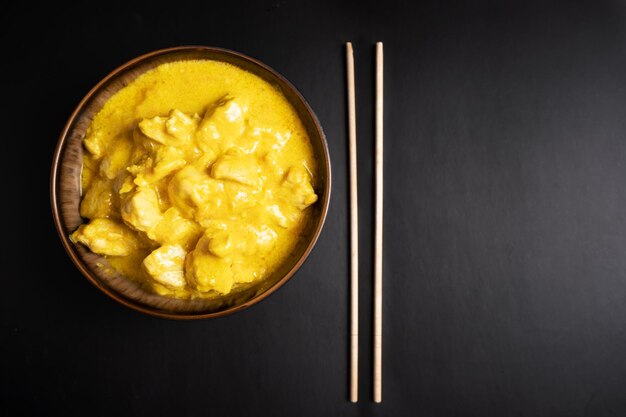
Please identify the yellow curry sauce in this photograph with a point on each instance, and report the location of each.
(196, 179)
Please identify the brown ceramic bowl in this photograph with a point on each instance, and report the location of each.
(65, 191)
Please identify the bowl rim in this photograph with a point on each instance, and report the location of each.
(77, 259)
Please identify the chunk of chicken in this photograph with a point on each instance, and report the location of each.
(244, 272)
(283, 215)
(237, 166)
(107, 237)
(172, 227)
(207, 272)
(164, 161)
(116, 158)
(195, 193)
(99, 200)
(166, 265)
(175, 130)
(296, 188)
(240, 239)
(140, 209)
(95, 143)
(222, 121)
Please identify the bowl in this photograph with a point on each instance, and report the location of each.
(65, 191)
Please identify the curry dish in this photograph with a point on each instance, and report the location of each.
(196, 179)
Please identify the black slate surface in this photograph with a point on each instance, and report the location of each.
(505, 232)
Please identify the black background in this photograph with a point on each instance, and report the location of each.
(505, 220)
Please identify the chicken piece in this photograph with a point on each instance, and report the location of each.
(167, 160)
(154, 129)
(89, 171)
(140, 208)
(149, 170)
(172, 227)
(174, 130)
(206, 272)
(241, 197)
(95, 143)
(224, 121)
(283, 215)
(244, 273)
(196, 194)
(166, 265)
(215, 263)
(99, 200)
(107, 237)
(240, 239)
(259, 238)
(221, 244)
(272, 169)
(116, 158)
(237, 166)
(205, 160)
(267, 140)
(296, 188)
(181, 126)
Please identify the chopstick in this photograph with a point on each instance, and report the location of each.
(378, 248)
(354, 229)
(354, 232)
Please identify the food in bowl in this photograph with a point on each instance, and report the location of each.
(197, 179)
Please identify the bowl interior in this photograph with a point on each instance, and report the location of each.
(66, 191)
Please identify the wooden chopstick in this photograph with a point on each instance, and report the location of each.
(354, 232)
(378, 248)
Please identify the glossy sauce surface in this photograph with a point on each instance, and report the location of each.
(196, 179)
